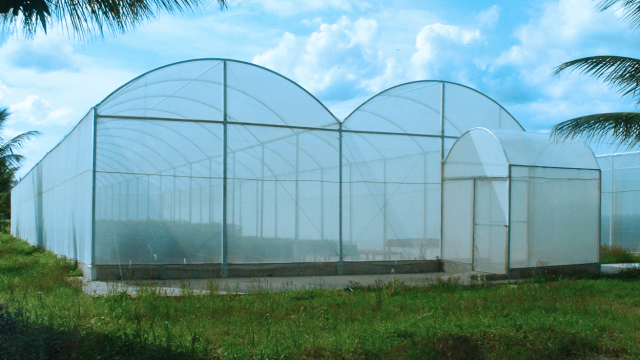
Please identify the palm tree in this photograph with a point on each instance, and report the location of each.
(9, 162)
(86, 17)
(621, 73)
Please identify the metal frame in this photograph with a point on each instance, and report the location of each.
(337, 127)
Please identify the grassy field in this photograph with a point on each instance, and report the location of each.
(617, 255)
(44, 315)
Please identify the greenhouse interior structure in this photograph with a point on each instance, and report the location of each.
(221, 168)
(621, 200)
(516, 201)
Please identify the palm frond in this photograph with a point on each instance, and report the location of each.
(7, 149)
(622, 128)
(88, 17)
(618, 72)
(630, 10)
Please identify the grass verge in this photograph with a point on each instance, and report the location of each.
(44, 314)
(617, 255)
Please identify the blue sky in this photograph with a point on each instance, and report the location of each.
(342, 51)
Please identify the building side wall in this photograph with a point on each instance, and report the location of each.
(51, 207)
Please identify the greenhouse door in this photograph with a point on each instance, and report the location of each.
(490, 229)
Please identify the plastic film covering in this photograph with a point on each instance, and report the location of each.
(188, 90)
(554, 216)
(620, 199)
(457, 220)
(283, 195)
(51, 206)
(422, 104)
(533, 215)
(256, 95)
(490, 225)
(158, 192)
(476, 154)
(391, 197)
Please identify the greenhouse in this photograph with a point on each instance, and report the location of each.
(620, 199)
(218, 167)
(517, 202)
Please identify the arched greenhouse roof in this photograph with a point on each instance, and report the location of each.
(416, 107)
(488, 153)
(194, 90)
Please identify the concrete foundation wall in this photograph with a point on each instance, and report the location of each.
(581, 269)
(204, 271)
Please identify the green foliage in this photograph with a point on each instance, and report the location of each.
(45, 315)
(621, 73)
(617, 255)
(9, 162)
(86, 17)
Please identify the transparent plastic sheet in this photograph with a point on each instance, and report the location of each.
(490, 225)
(554, 216)
(457, 220)
(606, 198)
(620, 199)
(51, 206)
(158, 192)
(283, 187)
(188, 90)
(391, 197)
(549, 217)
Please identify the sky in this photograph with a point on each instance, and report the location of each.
(342, 51)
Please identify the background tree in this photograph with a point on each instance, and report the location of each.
(621, 73)
(10, 162)
(87, 17)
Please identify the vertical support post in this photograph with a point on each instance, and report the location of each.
(297, 195)
(93, 274)
(613, 199)
(508, 255)
(190, 192)
(262, 196)
(275, 207)
(351, 203)
(258, 208)
(233, 191)
(442, 120)
(148, 197)
(441, 161)
(473, 224)
(340, 214)
(127, 201)
(424, 200)
(322, 203)
(225, 235)
(599, 240)
(161, 202)
(211, 191)
(174, 201)
(384, 203)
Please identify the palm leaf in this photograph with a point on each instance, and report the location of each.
(87, 17)
(619, 72)
(630, 10)
(622, 128)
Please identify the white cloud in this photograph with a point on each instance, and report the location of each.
(488, 17)
(290, 7)
(430, 44)
(336, 53)
(37, 111)
(565, 30)
(43, 54)
(4, 90)
(392, 72)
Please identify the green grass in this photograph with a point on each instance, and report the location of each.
(45, 316)
(617, 255)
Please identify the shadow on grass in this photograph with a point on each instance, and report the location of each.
(23, 338)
